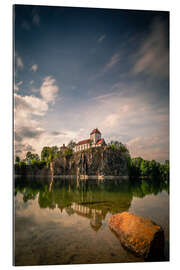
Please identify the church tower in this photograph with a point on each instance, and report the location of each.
(95, 135)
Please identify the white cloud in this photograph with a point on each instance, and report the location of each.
(19, 62)
(131, 119)
(26, 125)
(111, 120)
(16, 86)
(101, 38)
(30, 105)
(28, 121)
(149, 147)
(108, 66)
(152, 57)
(34, 67)
(112, 62)
(49, 89)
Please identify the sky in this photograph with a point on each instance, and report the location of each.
(76, 69)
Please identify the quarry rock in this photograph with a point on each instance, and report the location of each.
(138, 234)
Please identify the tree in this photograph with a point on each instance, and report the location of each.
(48, 154)
(54, 150)
(45, 153)
(71, 144)
(118, 145)
(68, 152)
(17, 159)
(31, 158)
(28, 155)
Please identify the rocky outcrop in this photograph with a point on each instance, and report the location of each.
(138, 234)
(95, 161)
(92, 162)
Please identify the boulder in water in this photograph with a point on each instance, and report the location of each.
(138, 234)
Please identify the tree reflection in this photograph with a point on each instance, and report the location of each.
(89, 199)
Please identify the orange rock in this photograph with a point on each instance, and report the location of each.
(138, 234)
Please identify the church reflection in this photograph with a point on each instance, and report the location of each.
(89, 199)
(96, 216)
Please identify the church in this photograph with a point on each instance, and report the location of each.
(94, 141)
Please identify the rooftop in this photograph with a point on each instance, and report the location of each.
(96, 130)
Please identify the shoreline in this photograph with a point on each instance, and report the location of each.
(80, 177)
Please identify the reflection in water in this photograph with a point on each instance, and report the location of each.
(70, 212)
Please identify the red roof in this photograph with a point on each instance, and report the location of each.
(83, 142)
(95, 131)
(100, 141)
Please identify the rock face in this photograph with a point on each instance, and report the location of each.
(92, 162)
(95, 161)
(139, 235)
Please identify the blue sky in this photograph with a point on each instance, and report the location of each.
(80, 68)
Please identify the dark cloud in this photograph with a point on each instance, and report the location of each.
(27, 132)
(22, 148)
(56, 133)
(18, 137)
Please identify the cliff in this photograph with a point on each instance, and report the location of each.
(94, 161)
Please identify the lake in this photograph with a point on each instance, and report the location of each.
(66, 221)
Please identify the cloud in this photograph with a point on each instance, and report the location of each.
(125, 117)
(57, 133)
(27, 125)
(34, 67)
(30, 105)
(23, 148)
(101, 38)
(112, 62)
(36, 19)
(24, 132)
(49, 89)
(28, 121)
(115, 58)
(149, 147)
(111, 120)
(16, 86)
(152, 58)
(19, 62)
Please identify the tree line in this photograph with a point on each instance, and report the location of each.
(48, 154)
(138, 167)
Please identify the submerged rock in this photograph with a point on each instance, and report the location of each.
(139, 235)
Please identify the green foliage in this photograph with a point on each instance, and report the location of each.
(17, 160)
(48, 154)
(31, 158)
(71, 144)
(45, 153)
(118, 145)
(68, 152)
(148, 169)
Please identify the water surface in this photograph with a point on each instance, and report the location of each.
(66, 222)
